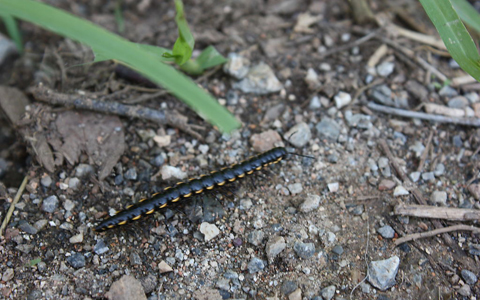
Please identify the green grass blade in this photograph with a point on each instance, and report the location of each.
(183, 47)
(115, 47)
(467, 13)
(454, 34)
(209, 58)
(12, 29)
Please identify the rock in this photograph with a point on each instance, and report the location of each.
(328, 293)
(295, 188)
(469, 277)
(465, 290)
(259, 80)
(255, 265)
(163, 267)
(131, 174)
(439, 197)
(418, 148)
(126, 288)
(50, 204)
(73, 183)
(304, 250)
(76, 260)
(333, 187)
(447, 92)
(383, 95)
(274, 246)
(169, 172)
(76, 239)
(400, 191)
(68, 205)
(25, 226)
(381, 273)
(100, 248)
(256, 237)
(312, 79)
(328, 129)
(209, 230)
(386, 68)
(237, 66)
(474, 189)
(439, 170)
(415, 176)
(296, 295)
(8, 274)
(288, 287)
(386, 185)
(338, 250)
(342, 99)
(386, 232)
(311, 203)
(298, 135)
(46, 181)
(428, 176)
(315, 103)
(83, 170)
(265, 141)
(458, 102)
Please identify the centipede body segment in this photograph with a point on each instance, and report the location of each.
(194, 186)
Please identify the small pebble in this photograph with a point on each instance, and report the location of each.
(333, 187)
(304, 250)
(296, 295)
(73, 183)
(135, 259)
(439, 197)
(469, 277)
(415, 176)
(458, 102)
(386, 185)
(131, 174)
(386, 68)
(163, 267)
(209, 231)
(288, 287)
(381, 273)
(237, 66)
(83, 170)
(255, 265)
(311, 79)
(328, 129)
(342, 99)
(328, 293)
(78, 238)
(338, 250)
(50, 204)
(315, 103)
(265, 141)
(100, 248)
(400, 191)
(295, 188)
(311, 203)
(428, 176)
(68, 205)
(386, 232)
(8, 274)
(256, 237)
(465, 290)
(447, 91)
(274, 246)
(439, 170)
(46, 181)
(298, 135)
(25, 226)
(259, 80)
(169, 172)
(76, 260)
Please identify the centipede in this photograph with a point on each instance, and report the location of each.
(194, 186)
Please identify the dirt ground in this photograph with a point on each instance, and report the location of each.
(326, 215)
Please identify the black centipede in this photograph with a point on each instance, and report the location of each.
(194, 186)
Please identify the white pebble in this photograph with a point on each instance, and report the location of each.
(209, 230)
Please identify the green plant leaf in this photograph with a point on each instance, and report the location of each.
(183, 47)
(209, 58)
(12, 29)
(33, 262)
(454, 34)
(467, 13)
(107, 44)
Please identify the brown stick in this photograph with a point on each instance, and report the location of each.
(12, 206)
(41, 93)
(423, 158)
(443, 230)
(435, 212)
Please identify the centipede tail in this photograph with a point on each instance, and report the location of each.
(194, 186)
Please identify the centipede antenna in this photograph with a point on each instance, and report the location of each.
(307, 156)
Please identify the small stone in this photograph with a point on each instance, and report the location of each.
(474, 249)
(162, 141)
(8, 274)
(100, 248)
(333, 187)
(415, 176)
(131, 174)
(304, 250)
(256, 237)
(311, 79)
(465, 290)
(447, 92)
(386, 68)
(259, 80)
(386, 185)
(328, 129)
(78, 238)
(342, 99)
(265, 141)
(169, 172)
(386, 232)
(50, 204)
(223, 284)
(439, 197)
(328, 293)
(329, 238)
(135, 259)
(255, 265)
(76, 260)
(245, 204)
(439, 170)
(68, 205)
(209, 230)
(46, 181)
(457, 141)
(295, 188)
(163, 267)
(40, 224)
(458, 102)
(381, 273)
(400, 191)
(296, 295)
(428, 176)
(474, 189)
(338, 250)
(469, 277)
(418, 148)
(383, 95)
(83, 170)
(315, 103)
(125, 288)
(288, 287)
(274, 246)
(73, 183)
(299, 135)
(311, 203)
(25, 226)
(237, 66)
(372, 165)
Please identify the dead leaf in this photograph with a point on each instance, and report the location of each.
(305, 21)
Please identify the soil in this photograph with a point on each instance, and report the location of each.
(50, 250)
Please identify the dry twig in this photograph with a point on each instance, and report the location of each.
(420, 235)
(435, 212)
(12, 206)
